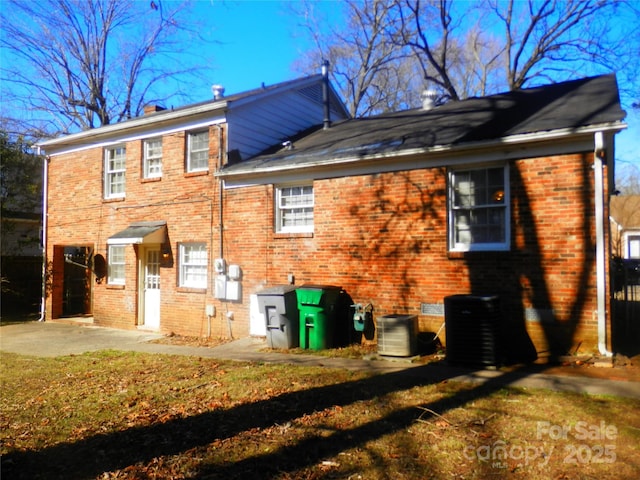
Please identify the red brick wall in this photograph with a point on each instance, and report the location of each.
(78, 215)
(383, 238)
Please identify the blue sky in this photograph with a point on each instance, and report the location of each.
(257, 42)
(260, 41)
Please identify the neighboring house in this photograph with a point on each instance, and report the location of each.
(133, 209)
(504, 195)
(625, 226)
(21, 263)
(20, 235)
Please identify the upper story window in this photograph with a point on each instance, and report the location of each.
(193, 265)
(294, 208)
(479, 209)
(198, 151)
(114, 172)
(116, 264)
(152, 162)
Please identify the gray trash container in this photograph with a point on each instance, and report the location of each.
(279, 305)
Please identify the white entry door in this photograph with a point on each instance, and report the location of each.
(151, 286)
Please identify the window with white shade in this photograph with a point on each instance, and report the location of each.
(152, 162)
(294, 208)
(114, 172)
(193, 265)
(479, 209)
(198, 151)
(634, 246)
(116, 265)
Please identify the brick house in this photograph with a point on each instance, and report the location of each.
(505, 195)
(133, 209)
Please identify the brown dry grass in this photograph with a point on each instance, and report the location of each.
(125, 415)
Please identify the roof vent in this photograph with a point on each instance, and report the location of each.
(428, 99)
(218, 91)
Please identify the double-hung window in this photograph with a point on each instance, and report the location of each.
(193, 265)
(294, 209)
(152, 162)
(479, 209)
(114, 172)
(116, 264)
(198, 151)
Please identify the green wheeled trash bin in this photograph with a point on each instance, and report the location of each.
(317, 307)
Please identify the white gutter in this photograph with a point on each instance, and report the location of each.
(140, 122)
(599, 158)
(549, 137)
(45, 206)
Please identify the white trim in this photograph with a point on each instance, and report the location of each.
(558, 142)
(146, 158)
(279, 228)
(601, 268)
(139, 136)
(181, 273)
(190, 135)
(117, 280)
(506, 206)
(141, 122)
(107, 173)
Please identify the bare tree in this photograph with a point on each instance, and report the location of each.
(429, 30)
(533, 41)
(369, 66)
(79, 64)
(20, 190)
(628, 179)
(551, 35)
(462, 49)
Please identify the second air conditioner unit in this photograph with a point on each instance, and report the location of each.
(398, 335)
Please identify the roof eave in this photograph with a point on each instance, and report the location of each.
(158, 118)
(438, 151)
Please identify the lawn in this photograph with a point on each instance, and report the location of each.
(112, 415)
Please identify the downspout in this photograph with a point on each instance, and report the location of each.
(220, 193)
(45, 203)
(599, 155)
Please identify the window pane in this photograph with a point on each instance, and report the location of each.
(153, 158)
(198, 156)
(193, 265)
(295, 208)
(116, 264)
(114, 172)
(479, 207)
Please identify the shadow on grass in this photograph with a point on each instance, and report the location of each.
(91, 457)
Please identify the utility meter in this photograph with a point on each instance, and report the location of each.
(219, 265)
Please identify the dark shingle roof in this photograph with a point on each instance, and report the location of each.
(563, 106)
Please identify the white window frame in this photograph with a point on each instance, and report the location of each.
(294, 215)
(633, 245)
(116, 264)
(194, 263)
(152, 158)
(197, 150)
(115, 167)
(496, 203)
